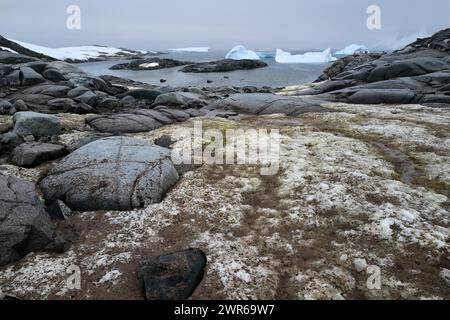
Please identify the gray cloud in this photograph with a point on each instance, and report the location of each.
(144, 24)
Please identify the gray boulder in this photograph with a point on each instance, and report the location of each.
(89, 97)
(123, 123)
(61, 104)
(175, 99)
(53, 75)
(36, 124)
(32, 154)
(30, 77)
(25, 226)
(6, 108)
(115, 173)
(20, 105)
(77, 91)
(266, 103)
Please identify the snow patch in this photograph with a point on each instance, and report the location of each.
(82, 53)
(193, 49)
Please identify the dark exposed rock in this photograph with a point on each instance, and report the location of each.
(175, 99)
(173, 276)
(142, 94)
(9, 140)
(164, 141)
(32, 154)
(36, 124)
(149, 64)
(77, 91)
(58, 210)
(13, 58)
(30, 77)
(53, 75)
(224, 66)
(89, 97)
(25, 226)
(115, 173)
(265, 103)
(6, 108)
(123, 123)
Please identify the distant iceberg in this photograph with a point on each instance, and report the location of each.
(241, 53)
(194, 49)
(309, 57)
(352, 49)
(266, 54)
(81, 53)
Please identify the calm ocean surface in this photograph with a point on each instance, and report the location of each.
(275, 75)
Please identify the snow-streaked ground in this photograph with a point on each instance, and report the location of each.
(337, 206)
(81, 53)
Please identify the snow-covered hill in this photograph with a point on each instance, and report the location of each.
(70, 54)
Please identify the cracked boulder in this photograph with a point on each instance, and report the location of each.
(25, 226)
(115, 173)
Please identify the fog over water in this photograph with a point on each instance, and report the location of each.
(143, 24)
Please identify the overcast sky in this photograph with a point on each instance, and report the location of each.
(150, 24)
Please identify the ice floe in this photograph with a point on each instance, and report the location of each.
(309, 57)
(193, 49)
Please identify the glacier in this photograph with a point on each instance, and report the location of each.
(81, 53)
(241, 53)
(352, 49)
(193, 49)
(309, 57)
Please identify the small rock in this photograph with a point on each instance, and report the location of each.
(360, 264)
(29, 155)
(58, 210)
(164, 141)
(174, 276)
(162, 80)
(445, 274)
(20, 105)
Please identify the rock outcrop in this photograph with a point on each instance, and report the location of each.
(25, 226)
(116, 173)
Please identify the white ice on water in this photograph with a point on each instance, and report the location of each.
(309, 57)
(352, 49)
(241, 53)
(193, 49)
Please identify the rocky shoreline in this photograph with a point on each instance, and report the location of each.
(86, 179)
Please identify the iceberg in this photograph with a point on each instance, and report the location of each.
(352, 49)
(80, 53)
(309, 57)
(266, 54)
(241, 53)
(193, 49)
